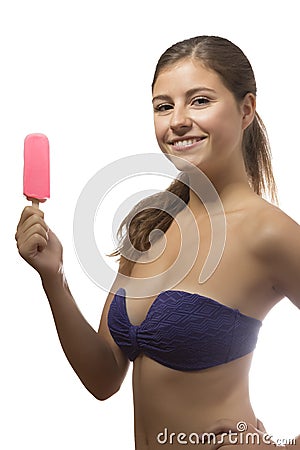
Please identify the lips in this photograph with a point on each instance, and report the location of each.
(186, 142)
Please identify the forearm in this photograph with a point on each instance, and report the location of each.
(88, 352)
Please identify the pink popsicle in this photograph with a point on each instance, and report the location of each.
(36, 176)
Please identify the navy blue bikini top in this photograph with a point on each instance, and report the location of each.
(184, 331)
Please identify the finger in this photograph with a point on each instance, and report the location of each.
(30, 222)
(231, 446)
(222, 426)
(228, 434)
(260, 426)
(32, 227)
(29, 211)
(224, 441)
(227, 425)
(32, 247)
(33, 233)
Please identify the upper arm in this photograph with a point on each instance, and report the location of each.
(282, 246)
(121, 359)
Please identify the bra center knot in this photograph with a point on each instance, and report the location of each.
(133, 330)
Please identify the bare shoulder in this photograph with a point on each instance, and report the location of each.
(272, 228)
(276, 240)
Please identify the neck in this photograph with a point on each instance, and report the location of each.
(217, 193)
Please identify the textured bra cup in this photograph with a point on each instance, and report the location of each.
(184, 331)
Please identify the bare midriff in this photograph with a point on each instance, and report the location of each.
(173, 406)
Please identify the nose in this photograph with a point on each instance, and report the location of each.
(180, 120)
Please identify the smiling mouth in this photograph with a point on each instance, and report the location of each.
(180, 144)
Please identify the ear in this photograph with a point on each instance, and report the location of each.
(248, 107)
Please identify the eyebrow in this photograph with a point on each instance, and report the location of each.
(188, 93)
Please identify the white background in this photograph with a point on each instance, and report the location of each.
(80, 72)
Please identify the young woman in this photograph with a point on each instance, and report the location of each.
(192, 343)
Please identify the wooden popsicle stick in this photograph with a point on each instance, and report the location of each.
(35, 202)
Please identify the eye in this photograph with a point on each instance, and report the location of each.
(163, 107)
(200, 101)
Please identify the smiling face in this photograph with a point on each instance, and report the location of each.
(198, 119)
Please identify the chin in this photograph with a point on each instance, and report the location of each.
(185, 163)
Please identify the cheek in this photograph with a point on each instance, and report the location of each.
(221, 124)
(160, 128)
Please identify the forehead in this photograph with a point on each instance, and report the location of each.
(187, 74)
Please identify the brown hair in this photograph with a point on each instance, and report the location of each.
(230, 63)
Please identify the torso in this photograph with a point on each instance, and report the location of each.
(171, 401)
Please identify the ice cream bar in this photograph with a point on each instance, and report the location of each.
(36, 176)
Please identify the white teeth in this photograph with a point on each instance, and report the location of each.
(185, 142)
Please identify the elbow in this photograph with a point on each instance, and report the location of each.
(105, 396)
(101, 396)
(101, 389)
